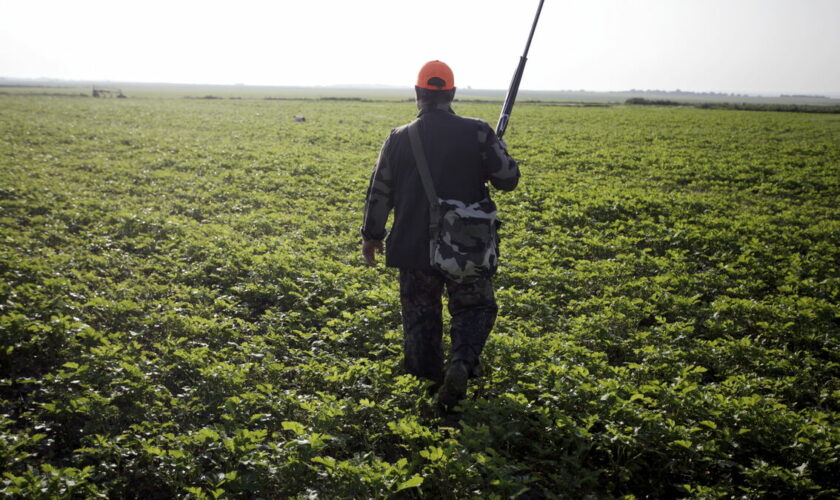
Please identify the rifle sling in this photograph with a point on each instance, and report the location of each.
(425, 177)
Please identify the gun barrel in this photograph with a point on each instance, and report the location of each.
(510, 98)
(533, 28)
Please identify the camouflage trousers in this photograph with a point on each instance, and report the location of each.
(472, 307)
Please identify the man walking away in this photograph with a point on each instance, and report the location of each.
(462, 155)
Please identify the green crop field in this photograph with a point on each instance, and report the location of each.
(184, 313)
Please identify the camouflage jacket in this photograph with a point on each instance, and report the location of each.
(463, 154)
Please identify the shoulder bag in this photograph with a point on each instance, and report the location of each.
(464, 241)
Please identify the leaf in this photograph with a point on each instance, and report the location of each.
(295, 427)
(154, 450)
(432, 453)
(328, 462)
(207, 434)
(414, 482)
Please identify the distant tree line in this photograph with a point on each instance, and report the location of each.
(641, 101)
(792, 108)
(808, 96)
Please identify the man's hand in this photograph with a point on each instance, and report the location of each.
(369, 249)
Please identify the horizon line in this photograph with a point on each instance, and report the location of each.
(381, 86)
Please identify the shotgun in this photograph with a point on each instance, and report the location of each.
(510, 98)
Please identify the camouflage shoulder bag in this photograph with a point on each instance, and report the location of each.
(463, 238)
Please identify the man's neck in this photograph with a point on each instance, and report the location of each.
(422, 106)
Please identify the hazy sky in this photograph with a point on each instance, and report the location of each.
(759, 46)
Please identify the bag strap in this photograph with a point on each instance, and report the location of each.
(425, 176)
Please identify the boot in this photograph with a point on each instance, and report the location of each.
(476, 371)
(454, 387)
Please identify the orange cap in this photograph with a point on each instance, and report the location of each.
(436, 75)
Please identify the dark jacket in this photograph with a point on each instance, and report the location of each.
(462, 153)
